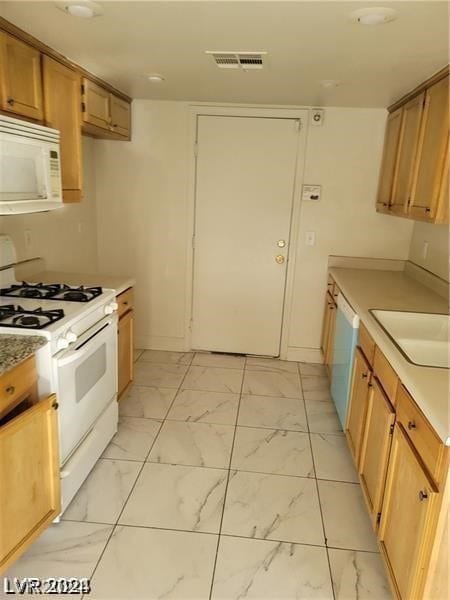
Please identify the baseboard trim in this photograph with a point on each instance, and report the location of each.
(152, 342)
(308, 355)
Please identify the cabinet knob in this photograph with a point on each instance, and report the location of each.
(10, 101)
(55, 405)
(411, 425)
(364, 375)
(428, 210)
(10, 389)
(423, 495)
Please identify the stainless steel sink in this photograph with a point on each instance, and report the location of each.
(423, 338)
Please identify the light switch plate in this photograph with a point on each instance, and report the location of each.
(311, 192)
(310, 238)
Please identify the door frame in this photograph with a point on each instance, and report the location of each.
(302, 114)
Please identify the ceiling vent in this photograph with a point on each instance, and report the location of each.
(238, 60)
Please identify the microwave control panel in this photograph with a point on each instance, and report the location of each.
(55, 177)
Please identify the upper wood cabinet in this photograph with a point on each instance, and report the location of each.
(62, 99)
(407, 149)
(389, 161)
(431, 163)
(20, 78)
(104, 113)
(414, 171)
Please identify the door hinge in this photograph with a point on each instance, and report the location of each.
(196, 149)
(83, 107)
(82, 88)
(391, 429)
(378, 518)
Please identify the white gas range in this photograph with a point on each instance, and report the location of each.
(79, 364)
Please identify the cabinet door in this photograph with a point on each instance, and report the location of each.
(357, 411)
(407, 152)
(389, 161)
(375, 448)
(96, 105)
(29, 475)
(125, 352)
(326, 324)
(431, 158)
(407, 510)
(120, 116)
(62, 109)
(20, 78)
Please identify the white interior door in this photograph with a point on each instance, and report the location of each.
(244, 191)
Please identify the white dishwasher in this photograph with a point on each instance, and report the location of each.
(345, 340)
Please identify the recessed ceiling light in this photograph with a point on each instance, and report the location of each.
(329, 83)
(155, 78)
(375, 15)
(84, 9)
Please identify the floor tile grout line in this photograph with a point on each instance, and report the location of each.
(318, 493)
(133, 487)
(226, 485)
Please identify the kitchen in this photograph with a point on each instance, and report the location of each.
(146, 227)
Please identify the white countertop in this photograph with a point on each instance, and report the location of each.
(112, 282)
(365, 289)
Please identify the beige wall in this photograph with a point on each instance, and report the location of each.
(344, 157)
(437, 258)
(66, 238)
(143, 217)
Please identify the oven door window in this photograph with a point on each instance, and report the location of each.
(89, 372)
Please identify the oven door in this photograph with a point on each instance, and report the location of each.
(86, 382)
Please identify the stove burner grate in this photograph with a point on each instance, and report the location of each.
(16, 316)
(52, 291)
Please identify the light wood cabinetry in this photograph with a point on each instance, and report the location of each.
(125, 340)
(328, 323)
(20, 78)
(62, 99)
(407, 517)
(29, 463)
(403, 469)
(389, 161)
(375, 448)
(356, 416)
(414, 173)
(431, 162)
(104, 114)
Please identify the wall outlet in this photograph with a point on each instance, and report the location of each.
(310, 238)
(28, 239)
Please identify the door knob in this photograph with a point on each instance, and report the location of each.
(279, 259)
(281, 243)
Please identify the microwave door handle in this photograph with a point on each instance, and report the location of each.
(76, 354)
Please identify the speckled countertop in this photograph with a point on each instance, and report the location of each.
(16, 348)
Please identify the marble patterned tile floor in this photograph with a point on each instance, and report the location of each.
(229, 478)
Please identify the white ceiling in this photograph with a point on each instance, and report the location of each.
(306, 41)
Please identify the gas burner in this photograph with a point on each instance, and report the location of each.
(53, 291)
(16, 316)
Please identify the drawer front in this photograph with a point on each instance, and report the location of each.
(16, 383)
(366, 343)
(385, 374)
(125, 301)
(427, 443)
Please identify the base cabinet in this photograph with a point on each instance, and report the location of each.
(29, 472)
(125, 341)
(408, 510)
(356, 417)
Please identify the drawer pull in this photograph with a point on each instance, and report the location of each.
(125, 303)
(411, 425)
(423, 495)
(10, 389)
(55, 405)
(10, 101)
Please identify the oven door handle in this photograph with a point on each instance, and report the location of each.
(85, 348)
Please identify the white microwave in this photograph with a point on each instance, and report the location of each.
(30, 167)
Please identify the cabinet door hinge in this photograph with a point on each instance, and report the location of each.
(83, 107)
(391, 429)
(82, 88)
(378, 518)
